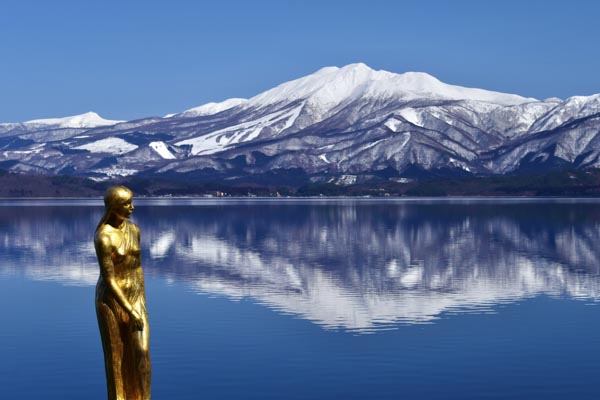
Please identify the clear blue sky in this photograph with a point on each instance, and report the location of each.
(129, 59)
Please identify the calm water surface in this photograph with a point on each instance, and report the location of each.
(315, 299)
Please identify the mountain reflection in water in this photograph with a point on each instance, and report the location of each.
(351, 265)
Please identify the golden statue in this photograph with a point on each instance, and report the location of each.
(121, 300)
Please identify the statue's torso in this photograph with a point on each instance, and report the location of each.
(125, 255)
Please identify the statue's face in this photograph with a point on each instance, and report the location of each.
(124, 205)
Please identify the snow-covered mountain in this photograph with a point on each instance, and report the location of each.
(209, 108)
(87, 120)
(344, 125)
(331, 86)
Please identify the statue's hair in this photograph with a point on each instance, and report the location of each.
(114, 196)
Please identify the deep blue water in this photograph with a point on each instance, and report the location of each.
(315, 299)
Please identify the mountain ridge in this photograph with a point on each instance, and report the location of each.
(338, 121)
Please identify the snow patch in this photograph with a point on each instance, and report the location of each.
(162, 150)
(108, 145)
(393, 124)
(216, 141)
(411, 115)
(406, 138)
(458, 164)
(346, 180)
(115, 171)
(372, 144)
(326, 147)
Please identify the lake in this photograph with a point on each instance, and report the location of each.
(315, 298)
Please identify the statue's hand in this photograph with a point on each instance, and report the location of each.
(138, 322)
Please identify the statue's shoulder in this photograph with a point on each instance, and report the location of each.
(104, 235)
(134, 227)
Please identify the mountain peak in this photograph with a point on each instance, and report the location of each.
(327, 85)
(333, 85)
(359, 66)
(210, 108)
(89, 119)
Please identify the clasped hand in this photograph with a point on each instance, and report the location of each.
(138, 322)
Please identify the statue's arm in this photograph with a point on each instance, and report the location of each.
(103, 246)
(139, 272)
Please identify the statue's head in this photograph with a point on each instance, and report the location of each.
(118, 200)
